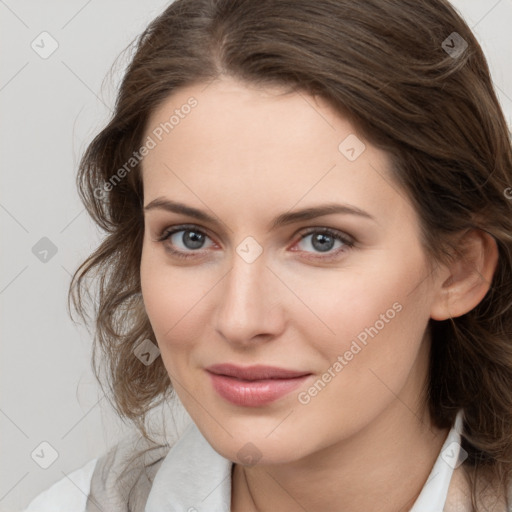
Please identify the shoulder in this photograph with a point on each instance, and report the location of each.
(489, 493)
(68, 494)
(123, 477)
(109, 479)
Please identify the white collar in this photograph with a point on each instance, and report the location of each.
(195, 478)
(433, 495)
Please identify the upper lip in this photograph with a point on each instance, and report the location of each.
(256, 372)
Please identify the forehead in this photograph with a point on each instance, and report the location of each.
(232, 139)
(229, 118)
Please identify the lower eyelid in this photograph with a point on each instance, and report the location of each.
(333, 253)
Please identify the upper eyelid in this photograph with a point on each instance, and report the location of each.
(182, 227)
(302, 232)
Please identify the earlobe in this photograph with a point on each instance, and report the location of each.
(470, 276)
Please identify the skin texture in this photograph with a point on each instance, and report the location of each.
(246, 155)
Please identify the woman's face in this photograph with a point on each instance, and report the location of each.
(253, 276)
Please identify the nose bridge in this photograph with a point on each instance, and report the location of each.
(246, 307)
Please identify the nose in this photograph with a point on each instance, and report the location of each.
(250, 308)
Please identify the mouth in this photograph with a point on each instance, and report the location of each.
(254, 386)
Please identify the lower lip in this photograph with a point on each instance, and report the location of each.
(253, 393)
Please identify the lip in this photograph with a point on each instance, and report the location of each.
(254, 386)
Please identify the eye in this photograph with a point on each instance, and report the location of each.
(187, 239)
(323, 240)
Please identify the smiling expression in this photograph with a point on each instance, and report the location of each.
(267, 243)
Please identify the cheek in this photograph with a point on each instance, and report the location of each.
(377, 300)
(174, 302)
(368, 361)
(378, 320)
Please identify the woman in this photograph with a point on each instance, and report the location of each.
(309, 242)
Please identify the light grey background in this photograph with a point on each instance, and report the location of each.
(50, 109)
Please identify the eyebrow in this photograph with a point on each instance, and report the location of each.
(283, 219)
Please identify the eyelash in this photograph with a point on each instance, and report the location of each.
(348, 242)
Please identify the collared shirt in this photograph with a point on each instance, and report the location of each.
(193, 477)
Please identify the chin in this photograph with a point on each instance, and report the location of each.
(249, 443)
(249, 453)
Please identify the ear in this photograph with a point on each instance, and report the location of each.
(469, 276)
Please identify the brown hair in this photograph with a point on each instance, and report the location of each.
(390, 67)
